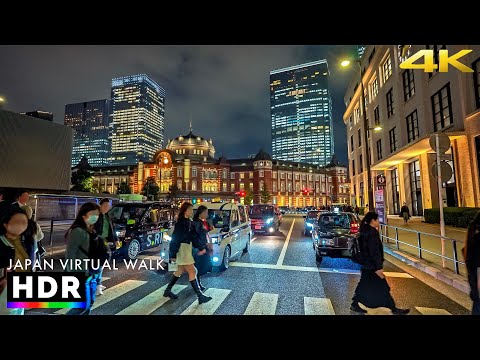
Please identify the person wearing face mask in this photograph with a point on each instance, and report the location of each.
(14, 246)
(80, 236)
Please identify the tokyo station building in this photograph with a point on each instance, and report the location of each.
(189, 162)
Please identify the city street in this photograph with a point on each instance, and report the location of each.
(279, 276)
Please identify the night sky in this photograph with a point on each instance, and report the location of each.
(224, 89)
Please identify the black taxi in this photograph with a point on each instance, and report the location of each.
(141, 226)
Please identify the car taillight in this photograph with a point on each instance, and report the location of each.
(354, 228)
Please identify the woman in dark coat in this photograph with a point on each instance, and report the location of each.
(372, 290)
(181, 248)
(202, 253)
(472, 262)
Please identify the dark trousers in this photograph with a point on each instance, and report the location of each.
(373, 292)
(474, 293)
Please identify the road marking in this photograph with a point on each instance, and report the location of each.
(105, 278)
(397, 275)
(218, 296)
(151, 302)
(432, 311)
(112, 293)
(255, 238)
(318, 306)
(284, 249)
(262, 304)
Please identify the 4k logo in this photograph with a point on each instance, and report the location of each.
(443, 61)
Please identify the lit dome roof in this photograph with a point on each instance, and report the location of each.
(191, 141)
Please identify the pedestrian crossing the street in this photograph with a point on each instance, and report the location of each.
(259, 303)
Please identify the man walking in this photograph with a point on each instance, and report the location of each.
(405, 211)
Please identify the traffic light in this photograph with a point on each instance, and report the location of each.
(305, 191)
(242, 193)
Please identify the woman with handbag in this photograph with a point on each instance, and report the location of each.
(181, 252)
(80, 236)
(204, 248)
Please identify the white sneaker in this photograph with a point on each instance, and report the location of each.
(102, 287)
(99, 291)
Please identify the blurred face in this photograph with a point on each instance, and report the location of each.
(204, 214)
(17, 225)
(91, 217)
(375, 223)
(24, 198)
(105, 207)
(189, 212)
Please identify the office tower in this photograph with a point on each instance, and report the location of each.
(138, 108)
(301, 112)
(90, 122)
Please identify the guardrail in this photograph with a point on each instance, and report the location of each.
(420, 249)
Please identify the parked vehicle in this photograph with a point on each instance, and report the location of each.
(311, 220)
(265, 219)
(332, 236)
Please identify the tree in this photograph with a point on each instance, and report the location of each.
(265, 195)
(173, 192)
(123, 188)
(150, 189)
(82, 180)
(248, 194)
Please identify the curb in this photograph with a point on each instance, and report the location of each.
(454, 280)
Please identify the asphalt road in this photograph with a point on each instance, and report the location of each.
(279, 276)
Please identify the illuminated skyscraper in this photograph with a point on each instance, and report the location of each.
(90, 122)
(301, 112)
(138, 107)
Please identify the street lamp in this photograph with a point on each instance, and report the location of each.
(346, 63)
(2, 101)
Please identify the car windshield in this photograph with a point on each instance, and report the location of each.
(257, 212)
(218, 218)
(332, 220)
(123, 213)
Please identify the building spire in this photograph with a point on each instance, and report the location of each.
(191, 129)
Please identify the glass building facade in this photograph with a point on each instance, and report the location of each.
(138, 108)
(301, 112)
(90, 122)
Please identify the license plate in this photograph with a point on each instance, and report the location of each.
(258, 227)
(323, 253)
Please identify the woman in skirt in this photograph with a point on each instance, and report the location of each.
(202, 253)
(181, 252)
(373, 290)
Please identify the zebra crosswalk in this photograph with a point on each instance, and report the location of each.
(259, 303)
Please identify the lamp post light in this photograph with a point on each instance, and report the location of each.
(346, 63)
(2, 101)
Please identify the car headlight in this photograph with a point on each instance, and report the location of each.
(269, 221)
(120, 233)
(310, 225)
(214, 239)
(167, 237)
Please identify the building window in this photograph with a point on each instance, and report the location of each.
(232, 176)
(379, 150)
(390, 102)
(408, 84)
(360, 163)
(304, 177)
(274, 186)
(194, 172)
(251, 186)
(387, 69)
(476, 81)
(374, 88)
(376, 115)
(297, 176)
(416, 187)
(261, 174)
(179, 172)
(310, 177)
(353, 167)
(350, 121)
(179, 184)
(250, 174)
(359, 137)
(442, 108)
(289, 176)
(282, 176)
(282, 187)
(274, 174)
(362, 191)
(357, 115)
(289, 187)
(262, 184)
(412, 126)
(395, 191)
(242, 176)
(351, 143)
(194, 185)
(224, 187)
(232, 187)
(242, 186)
(224, 173)
(297, 187)
(392, 134)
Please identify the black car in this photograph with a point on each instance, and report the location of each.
(140, 226)
(264, 218)
(310, 221)
(333, 234)
(284, 209)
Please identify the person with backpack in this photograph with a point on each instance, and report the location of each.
(203, 263)
(471, 253)
(83, 243)
(181, 252)
(372, 291)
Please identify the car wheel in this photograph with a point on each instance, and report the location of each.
(247, 246)
(226, 259)
(133, 249)
(318, 258)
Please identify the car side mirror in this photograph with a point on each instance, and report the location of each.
(225, 228)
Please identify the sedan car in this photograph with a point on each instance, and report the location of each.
(333, 234)
(311, 220)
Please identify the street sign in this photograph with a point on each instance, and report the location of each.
(380, 206)
(379, 196)
(446, 171)
(381, 180)
(444, 142)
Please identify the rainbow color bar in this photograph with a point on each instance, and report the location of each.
(46, 305)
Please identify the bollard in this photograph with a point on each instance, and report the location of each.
(419, 245)
(455, 257)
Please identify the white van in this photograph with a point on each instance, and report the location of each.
(231, 234)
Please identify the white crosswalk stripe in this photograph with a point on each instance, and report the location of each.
(431, 311)
(209, 308)
(262, 304)
(318, 306)
(151, 302)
